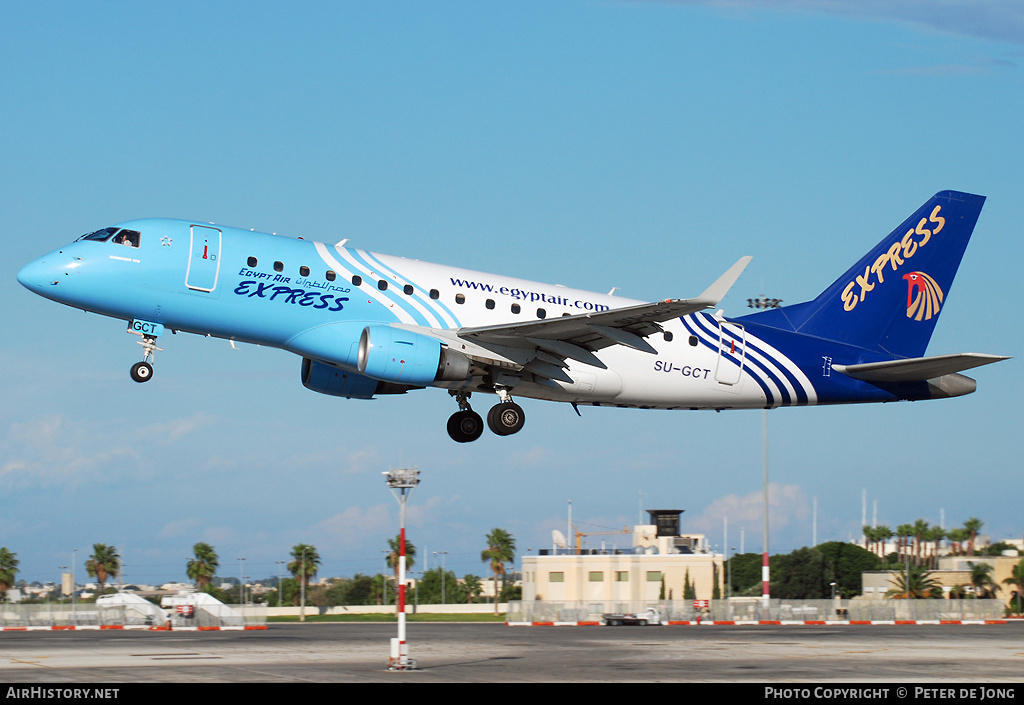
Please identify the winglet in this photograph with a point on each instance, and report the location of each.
(717, 291)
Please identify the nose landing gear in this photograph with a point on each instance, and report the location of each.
(143, 371)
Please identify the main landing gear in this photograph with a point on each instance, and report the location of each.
(504, 418)
(143, 371)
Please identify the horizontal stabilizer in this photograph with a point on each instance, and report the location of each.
(916, 369)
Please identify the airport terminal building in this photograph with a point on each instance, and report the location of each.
(655, 567)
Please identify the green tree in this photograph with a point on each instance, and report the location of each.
(357, 591)
(429, 588)
(972, 526)
(981, 578)
(799, 575)
(203, 566)
(102, 564)
(8, 569)
(394, 554)
(845, 564)
(921, 529)
(882, 535)
(1016, 581)
(935, 534)
(501, 549)
(473, 586)
(903, 534)
(746, 573)
(915, 584)
(689, 593)
(304, 565)
(959, 538)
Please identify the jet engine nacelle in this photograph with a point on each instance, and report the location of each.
(336, 382)
(397, 355)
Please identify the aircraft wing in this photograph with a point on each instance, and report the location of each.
(578, 337)
(916, 369)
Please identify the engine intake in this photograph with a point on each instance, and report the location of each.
(397, 355)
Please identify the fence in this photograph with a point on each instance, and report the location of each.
(754, 610)
(128, 615)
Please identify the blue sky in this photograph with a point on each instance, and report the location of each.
(640, 145)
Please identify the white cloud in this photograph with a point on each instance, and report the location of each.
(788, 505)
(48, 450)
(1002, 20)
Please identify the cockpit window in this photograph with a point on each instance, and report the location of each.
(127, 237)
(130, 238)
(101, 235)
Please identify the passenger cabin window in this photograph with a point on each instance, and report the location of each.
(489, 304)
(251, 262)
(303, 271)
(516, 308)
(278, 266)
(435, 294)
(331, 276)
(382, 285)
(408, 289)
(460, 298)
(356, 280)
(541, 313)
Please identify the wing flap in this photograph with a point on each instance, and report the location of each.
(916, 369)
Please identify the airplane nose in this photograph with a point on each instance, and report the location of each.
(33, 275)
(41, 275)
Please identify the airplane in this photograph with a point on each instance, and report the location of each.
(368, 324)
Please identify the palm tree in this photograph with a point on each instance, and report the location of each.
(882, 534)
(395, 545)
(501, 549)
(935, 534)
(102, 564)
(203, 567)
(904, 532)
(958, 537)
(981, 578)
(473, 587)
(920, 530)
(869, 536)
(916, 583)
(1016, 580)
(972, 526)
(304, 564)
(8, 569)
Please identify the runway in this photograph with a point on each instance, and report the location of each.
(488, 653)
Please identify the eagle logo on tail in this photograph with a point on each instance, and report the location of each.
(924, 297)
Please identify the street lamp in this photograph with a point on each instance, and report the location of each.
(280, 570)
(401, 482)
(241, 590)
(442, 554)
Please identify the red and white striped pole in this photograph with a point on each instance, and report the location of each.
(403, 649)
(401, 482)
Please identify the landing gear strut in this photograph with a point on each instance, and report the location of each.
(464, 425)
(504, 418)
(143, 371)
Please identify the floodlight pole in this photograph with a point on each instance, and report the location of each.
(401, 483)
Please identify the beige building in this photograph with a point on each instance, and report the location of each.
(659, 555)
(953, 571)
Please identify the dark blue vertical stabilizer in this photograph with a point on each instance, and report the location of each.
(891, 299)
